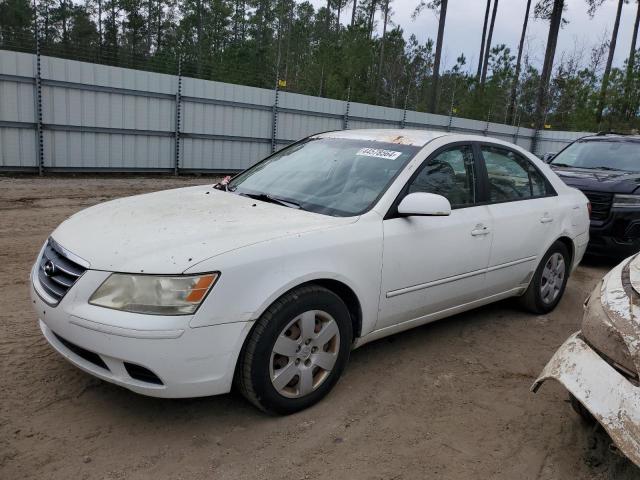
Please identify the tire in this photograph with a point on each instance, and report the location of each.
(287, 344)
(534, 299)
(581, 410)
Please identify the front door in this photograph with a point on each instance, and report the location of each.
(432, 264)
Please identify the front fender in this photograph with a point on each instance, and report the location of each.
(253, 277)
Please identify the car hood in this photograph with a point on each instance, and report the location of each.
(172, 230)
(599, 180)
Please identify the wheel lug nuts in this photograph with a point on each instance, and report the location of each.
(297, 361)
(307, 341)
(314, 349)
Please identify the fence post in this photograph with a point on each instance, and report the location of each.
(345, 118)
(404, 111)
(38, 105)
(534, 141)
(177, 120)
(274, 119)
(453, 95)
(486, 128)
(517, 132)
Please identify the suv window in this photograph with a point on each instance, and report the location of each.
(451, 174)
(614, 154)
(511, 176)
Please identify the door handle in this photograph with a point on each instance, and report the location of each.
(480, 230)
(546, 219)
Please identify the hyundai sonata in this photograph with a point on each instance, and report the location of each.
(269, 280)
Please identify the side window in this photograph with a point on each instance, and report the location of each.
(451, 174)
(511, 177)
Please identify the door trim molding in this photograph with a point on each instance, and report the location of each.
(454, 278)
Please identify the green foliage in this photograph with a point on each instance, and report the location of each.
(257, 42)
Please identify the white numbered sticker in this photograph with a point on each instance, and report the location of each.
(379, 153)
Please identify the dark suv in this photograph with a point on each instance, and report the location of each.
(606, 168)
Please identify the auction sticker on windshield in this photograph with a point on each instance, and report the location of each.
(379, 153)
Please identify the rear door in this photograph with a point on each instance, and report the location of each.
(524, 209)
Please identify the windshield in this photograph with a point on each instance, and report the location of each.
(333, 176)
(614, 155)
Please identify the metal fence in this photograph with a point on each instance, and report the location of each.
(65, 115)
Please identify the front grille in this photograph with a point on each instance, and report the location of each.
(56, 272)
(600, 204)
(82, 353)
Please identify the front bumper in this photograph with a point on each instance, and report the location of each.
(610, 397)
(619, 234)
(189, 362)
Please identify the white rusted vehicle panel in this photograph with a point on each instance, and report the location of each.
(600, 365)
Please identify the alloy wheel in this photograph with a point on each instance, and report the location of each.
(552, 278)
(304, 354)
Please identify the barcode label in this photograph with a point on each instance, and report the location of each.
(379, 153)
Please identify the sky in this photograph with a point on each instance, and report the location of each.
(465, 19)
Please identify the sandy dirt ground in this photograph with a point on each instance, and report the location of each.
(449, 400)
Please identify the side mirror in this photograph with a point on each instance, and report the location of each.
(547, 157)
(424, 204)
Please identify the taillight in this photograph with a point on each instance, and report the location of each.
(589, 208)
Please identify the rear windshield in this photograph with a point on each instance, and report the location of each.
(601, 154)
(333, 176)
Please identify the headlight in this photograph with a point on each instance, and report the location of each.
(626, 201)
(602, 334)
(154, 294)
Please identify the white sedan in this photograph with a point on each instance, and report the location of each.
(269, 280)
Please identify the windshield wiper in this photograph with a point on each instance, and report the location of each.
(559, 164)
(604, 167)
(265, 197)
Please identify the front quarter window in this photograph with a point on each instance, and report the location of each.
(333, 176)
(450, 174)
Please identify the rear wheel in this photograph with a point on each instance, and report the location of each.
(296, 351)
(549, 280)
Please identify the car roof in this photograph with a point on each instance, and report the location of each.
(401, 136)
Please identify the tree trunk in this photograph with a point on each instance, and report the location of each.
(372, 15)
(199, 28)
(353, 12)
(433, 103)
(328, 22)
(149, 19)
(100, 29)
(547, 67)
(382, 41)
(484, 34)
(630, 66)
(607, 70)
(487, 50)
(65, 35)
(516, 78)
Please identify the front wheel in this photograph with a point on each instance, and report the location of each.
(296, 351)
(549, 280)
